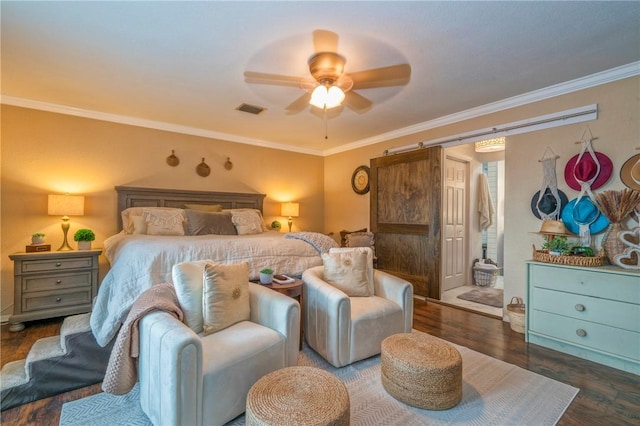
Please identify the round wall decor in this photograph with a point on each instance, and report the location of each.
(360, 180)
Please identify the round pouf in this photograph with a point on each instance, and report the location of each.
(421, 370)
(298, 396)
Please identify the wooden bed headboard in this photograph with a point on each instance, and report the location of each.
(130, 196)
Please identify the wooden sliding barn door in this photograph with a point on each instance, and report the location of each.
(405, 216)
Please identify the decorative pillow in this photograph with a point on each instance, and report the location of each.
(344, 233)
(369, 253)
(258, 212)
(347, 271)
(128, 214)
(225, 296)
(247, 222)
(205, 223)
(139, 225)
(360, 239)
(204, 207)
(163, 222)
(187, 278)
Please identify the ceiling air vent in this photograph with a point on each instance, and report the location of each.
(251, 109)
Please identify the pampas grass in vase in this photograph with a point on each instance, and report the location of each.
(616, 206)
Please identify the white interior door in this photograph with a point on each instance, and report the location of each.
(454, 254)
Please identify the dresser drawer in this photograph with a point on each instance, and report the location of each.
(587, 282)
(604, 311)
(56, 264)
(596, 336)
(58, 281)
(55, 299)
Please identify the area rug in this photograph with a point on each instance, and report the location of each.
(494, 392)
(485, 295)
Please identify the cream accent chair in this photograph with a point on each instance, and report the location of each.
(188, 379)
(346, 329)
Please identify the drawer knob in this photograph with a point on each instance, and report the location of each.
(58, 299)
(58, 264)
(580, 307)
(580, 332)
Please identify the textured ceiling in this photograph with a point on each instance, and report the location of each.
(182, 63)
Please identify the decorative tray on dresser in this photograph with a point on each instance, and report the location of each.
(588, 312)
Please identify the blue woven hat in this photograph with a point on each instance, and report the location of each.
(582, 211)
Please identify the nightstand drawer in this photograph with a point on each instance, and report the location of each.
(588, 334)
(55, 299)
(31, 283)
(587, 308)
(56, 264)
(588, 282)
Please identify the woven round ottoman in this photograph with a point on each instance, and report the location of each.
(298, 396)
(421, 370)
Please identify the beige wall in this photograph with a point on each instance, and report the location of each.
(44, 153)
(617, 127)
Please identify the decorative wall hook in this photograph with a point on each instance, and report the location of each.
(228, 164)
(203, 169)
(172, 160)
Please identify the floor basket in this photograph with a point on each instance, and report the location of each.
(516, 310)
(484, 277)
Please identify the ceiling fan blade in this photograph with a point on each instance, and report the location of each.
(325, 41)
(394, 75)
(357, 102)
(299, 104)
(273, 79)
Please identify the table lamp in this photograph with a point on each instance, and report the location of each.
(65, 206)
(290, 209)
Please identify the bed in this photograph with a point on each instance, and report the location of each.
(139, 260)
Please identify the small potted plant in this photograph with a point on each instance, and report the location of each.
(266, 276)
(37, 238)
(557, 245)
(84, 238)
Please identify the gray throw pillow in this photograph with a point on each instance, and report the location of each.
(205, 223)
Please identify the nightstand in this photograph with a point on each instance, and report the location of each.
(52, 284)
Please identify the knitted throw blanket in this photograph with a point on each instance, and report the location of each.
(122, 370)
(322, 243)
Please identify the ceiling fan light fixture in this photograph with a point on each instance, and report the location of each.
(327, 97)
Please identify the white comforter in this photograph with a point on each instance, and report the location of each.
(140, 261)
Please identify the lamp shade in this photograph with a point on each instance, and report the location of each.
(490, 145)
(290, 209)
(327, 97)
(66, 205)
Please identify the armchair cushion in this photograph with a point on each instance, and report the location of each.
(347, 271)
(187, 279)
(225, 299)
(370, 256)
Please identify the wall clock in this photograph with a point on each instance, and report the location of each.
(360, 180)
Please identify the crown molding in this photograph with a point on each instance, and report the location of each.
(151, 124)
(593, 80)
(614, 74)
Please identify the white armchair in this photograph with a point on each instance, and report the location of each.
(345, 329)
(190, 379)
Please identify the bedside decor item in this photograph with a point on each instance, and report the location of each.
(37, 238)
(84, 237)
(266, 276)
(203, 169)
(616, 206)
(35, 248)
(290, 209)
(172, 160)
(360, 180)
(276, 225)
(65, 206)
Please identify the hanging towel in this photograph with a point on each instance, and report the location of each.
(485, 205)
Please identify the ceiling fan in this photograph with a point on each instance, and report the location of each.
(328, 86)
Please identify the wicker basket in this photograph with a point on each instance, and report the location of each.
(485, 277)
(544, 256)
(516, 310)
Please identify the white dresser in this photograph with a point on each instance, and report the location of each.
(592, 313)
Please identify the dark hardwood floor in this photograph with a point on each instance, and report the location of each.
(607, 396)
